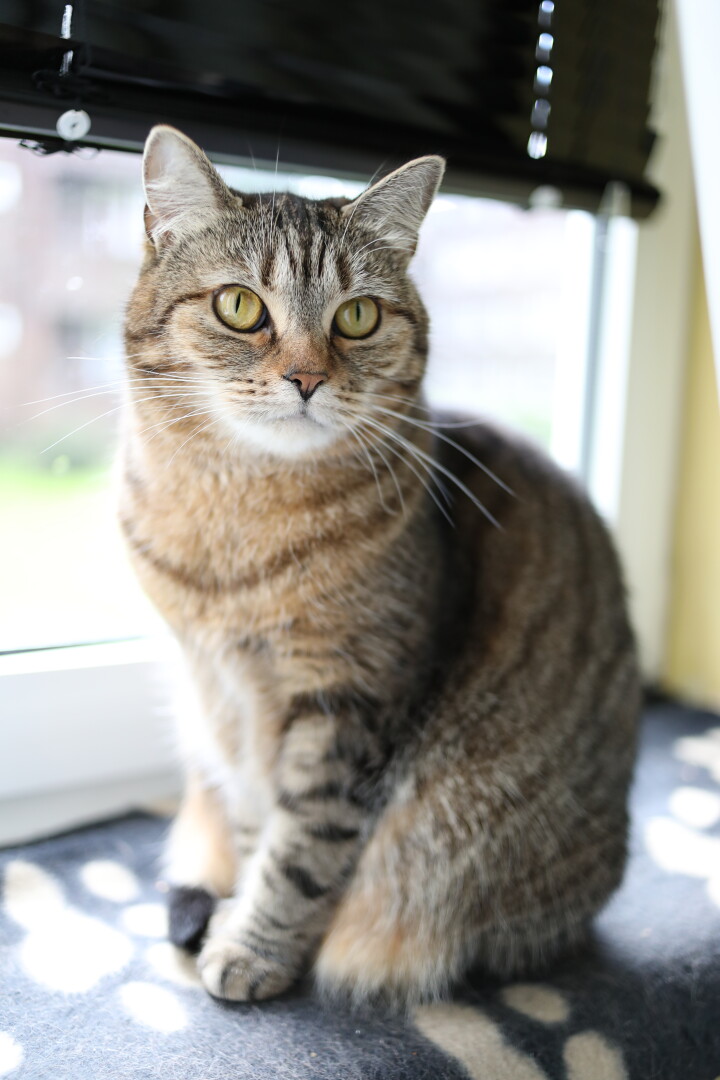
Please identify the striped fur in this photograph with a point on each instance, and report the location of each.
(414, 693)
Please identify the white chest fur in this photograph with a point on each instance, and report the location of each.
(226, 717)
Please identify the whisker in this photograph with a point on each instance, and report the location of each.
(411, 384)
(202, 427)
(362, 445)
(128, 375)
(396, 397)
(165, 424)
(395, 479)
(82, 396)
(80, 428)
(421, 480)
(361, 416)
(470, 422)
(445, 471)
(101, 416)
(69, 393)
(71, 401)
(427, 426)
(388, 466)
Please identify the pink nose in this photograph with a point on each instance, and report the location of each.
(306, 382)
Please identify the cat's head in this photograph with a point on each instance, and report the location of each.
(287, 320)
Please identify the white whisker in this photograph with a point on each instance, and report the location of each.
(428, 426)
(412, 468)
(363, 446)
(202, 427)
(80, 428)
(436, 464)
(164, 424)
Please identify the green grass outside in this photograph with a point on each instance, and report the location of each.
(63, 573)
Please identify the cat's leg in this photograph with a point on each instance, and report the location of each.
(397, 931)
(441, 888)
(217, 828)
(258, 944)
(201, 862)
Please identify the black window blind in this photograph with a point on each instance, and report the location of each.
(517, 94)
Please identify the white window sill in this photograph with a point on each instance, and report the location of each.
(86, 733)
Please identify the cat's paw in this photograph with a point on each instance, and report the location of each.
(232, 970)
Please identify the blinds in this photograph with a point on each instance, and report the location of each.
(516, 94)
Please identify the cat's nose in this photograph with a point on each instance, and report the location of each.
(306, 382)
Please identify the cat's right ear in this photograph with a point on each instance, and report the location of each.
(183, 190)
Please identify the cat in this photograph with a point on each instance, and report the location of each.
(412, 717)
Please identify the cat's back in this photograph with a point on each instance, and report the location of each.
(520, 505)
(545, 603)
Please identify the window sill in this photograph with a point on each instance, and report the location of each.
(86, 734)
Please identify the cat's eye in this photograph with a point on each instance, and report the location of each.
(357, 318)
(239, 308)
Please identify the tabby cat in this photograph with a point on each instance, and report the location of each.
(412, 723)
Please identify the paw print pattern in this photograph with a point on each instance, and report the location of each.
(67, 951)
(11, 1054)
(153, 1006)
(701, 750)
(680, 843)
(63, 949)
(470, 1035)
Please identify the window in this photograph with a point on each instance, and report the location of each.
(495, 279)
(509, 296)
(618, 413)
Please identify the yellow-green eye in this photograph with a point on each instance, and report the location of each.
(357, 318)
(239, 308)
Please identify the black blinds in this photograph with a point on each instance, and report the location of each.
(515, 93)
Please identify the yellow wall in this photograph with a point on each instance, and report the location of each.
(692, 663)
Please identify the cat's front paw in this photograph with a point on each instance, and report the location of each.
(232, 970)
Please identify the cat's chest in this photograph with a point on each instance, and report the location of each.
(227, 560)
(229, 716)
(203, 551)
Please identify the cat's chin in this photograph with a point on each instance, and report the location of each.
(291, 437)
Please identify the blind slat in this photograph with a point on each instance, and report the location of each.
(358, 86)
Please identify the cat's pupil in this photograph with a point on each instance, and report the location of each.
(238, 298)
(357, 311)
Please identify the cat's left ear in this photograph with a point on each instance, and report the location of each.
(395, 206)
(183, 190)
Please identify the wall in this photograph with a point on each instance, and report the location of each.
(692, 659)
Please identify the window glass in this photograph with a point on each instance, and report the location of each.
(494, 277)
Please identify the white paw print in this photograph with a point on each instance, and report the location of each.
(11, 1054)
(677, 843)
(701, 750)
(67, 951)
(471, 1036)
(64, 949)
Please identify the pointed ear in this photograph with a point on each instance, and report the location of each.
(182, 189)
(396, 206)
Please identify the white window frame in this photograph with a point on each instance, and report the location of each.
(86, 730)
(85, 734)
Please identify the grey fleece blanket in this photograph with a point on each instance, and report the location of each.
(91, 990)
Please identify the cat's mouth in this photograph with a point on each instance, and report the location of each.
(301, 417)
(288, 434)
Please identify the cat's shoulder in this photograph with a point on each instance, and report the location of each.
(498, 447)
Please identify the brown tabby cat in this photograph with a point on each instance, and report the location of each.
(416, 685)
